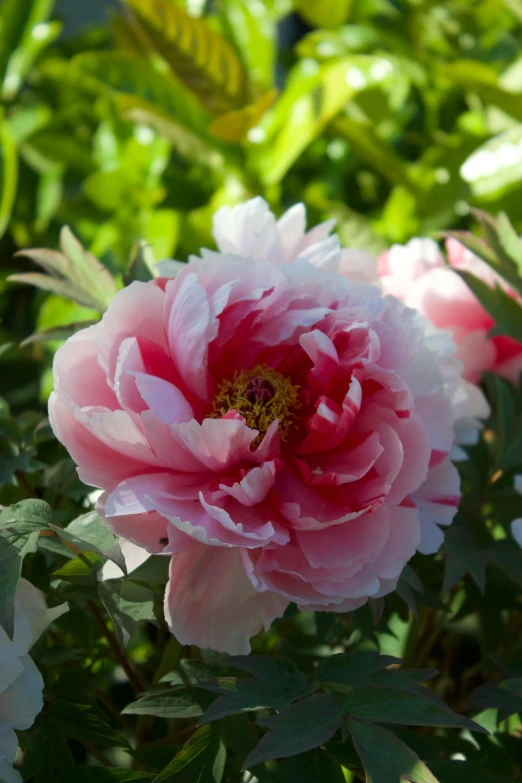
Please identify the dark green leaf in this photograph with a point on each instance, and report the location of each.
(301, 727)
(350, 668)
(102, 775)
(48, 753)
(386, 759)
(14, 546)
(505, 310)
(89, 534)
(463, 555)
(166, 704)
(82, 722)
(128, 604)
(315, 766)
(202, 760)
(416, 706)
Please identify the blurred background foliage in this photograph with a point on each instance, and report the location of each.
(394, 116)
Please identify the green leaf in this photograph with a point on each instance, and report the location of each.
(489, 170)
(166, 704)
(351, 668)
(81, 570)
(277, 684)
(82, 722)
(508, 430)
(492, 695)
(62, 288)
(253, 30)
(514, 686)
(27, 516)
(301, 727)
(48, 753)
(200, 58)
(138, 85)
(483, 80)
(127, 604)
(309, 102)
(505, 310)
(102, 775)
(315, 766)
(28, 44)
(74, 274)
(386, 759)
(14, 546)
(189, 672)
(9, 172)
(86, 270)
(62, 332)
(324, 13)
(202, 760)
(417, 706)
(363, 139)
(89, 534)
(464, 555)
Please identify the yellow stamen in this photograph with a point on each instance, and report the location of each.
(260, 395)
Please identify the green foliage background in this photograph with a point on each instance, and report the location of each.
(393, 116)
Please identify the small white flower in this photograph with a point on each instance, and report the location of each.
(21, 683)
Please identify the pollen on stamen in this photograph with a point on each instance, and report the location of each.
(261, 396)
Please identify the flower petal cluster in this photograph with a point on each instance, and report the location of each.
(282, 433)
(21, 683)
(418, 275)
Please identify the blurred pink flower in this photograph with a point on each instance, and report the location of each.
(281, 433)
(417, 274)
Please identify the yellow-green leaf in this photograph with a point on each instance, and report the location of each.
(200, 58)
(234, 125)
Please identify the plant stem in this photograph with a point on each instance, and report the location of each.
(133, 677)
(22, 479)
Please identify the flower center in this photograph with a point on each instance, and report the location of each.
(260, 395)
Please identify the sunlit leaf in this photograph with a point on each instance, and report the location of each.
(201, 58)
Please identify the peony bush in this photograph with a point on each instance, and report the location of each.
(260, 399)
(270, 432)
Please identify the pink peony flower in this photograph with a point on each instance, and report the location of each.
(417, 274)
(281, 433)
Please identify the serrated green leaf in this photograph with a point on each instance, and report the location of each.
(301, 727)
(202, 760)
(127, 604)
(200, 58)
(166, 704)
(386, 759)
